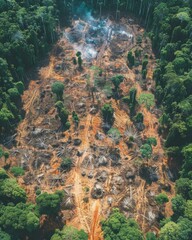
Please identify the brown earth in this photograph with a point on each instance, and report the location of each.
(41, 143)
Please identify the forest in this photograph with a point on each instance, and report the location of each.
(160, 50)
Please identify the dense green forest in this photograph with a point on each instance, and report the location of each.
(28, 29)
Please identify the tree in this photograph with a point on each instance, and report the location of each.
(79, 59)
(107, 113)
(69, 233)
(132, 100)
(188, 210)
(17, 171)
(151, 141)
(184, 187)
(63, 114)
(130, 59)
(75, 119)
(147, 99)
(150, 236)
(20, 87)
(32, 223)
(161, 198)
(3, 174)
(178, 206)
(66, 164)
(187, 165)
(4, 235)
(58, 88)
(49, 203)
(146, 151)
(10, 191)
(16, 220)
(117, 80)
(169, 231)
(114, 134)
(139, 118)
(14, 94)
(118, 227)
(6, 117)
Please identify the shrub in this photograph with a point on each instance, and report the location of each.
(17, 171)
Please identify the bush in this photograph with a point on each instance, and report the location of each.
(17, 171)
(58, 88)
(66, 164)
(161, 198)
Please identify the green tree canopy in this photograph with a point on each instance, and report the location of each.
(69, 233)
(49, 203)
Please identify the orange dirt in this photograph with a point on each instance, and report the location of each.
(88, 212)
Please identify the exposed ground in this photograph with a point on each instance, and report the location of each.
(100, 164)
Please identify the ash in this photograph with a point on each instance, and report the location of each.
(90, 36)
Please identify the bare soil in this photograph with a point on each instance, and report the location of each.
(41, 142)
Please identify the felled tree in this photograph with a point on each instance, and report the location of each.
(58, 88)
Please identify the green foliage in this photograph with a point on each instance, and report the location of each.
(150, 236)
(188, 210)
(161, 198)
(14, 94)
(107, 113)
(3, 174)
(18, 219)
(144, 63)
(169, 231)
(184, 187)
(38, 192)
(59, 105)
(117, 80)
(146, 151)
(49, 203)
(4, 235)
(178, 206)
(118, 227)
(69, 232)
(75, 118)
(66, 164)
(130, 59)
(10, 191)
(20, 87)
(17, 171)
(114, 134)
(132, 101)
(151, 141)
(58, 88)
(147, 99)
(139, 118)
(6, 117)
